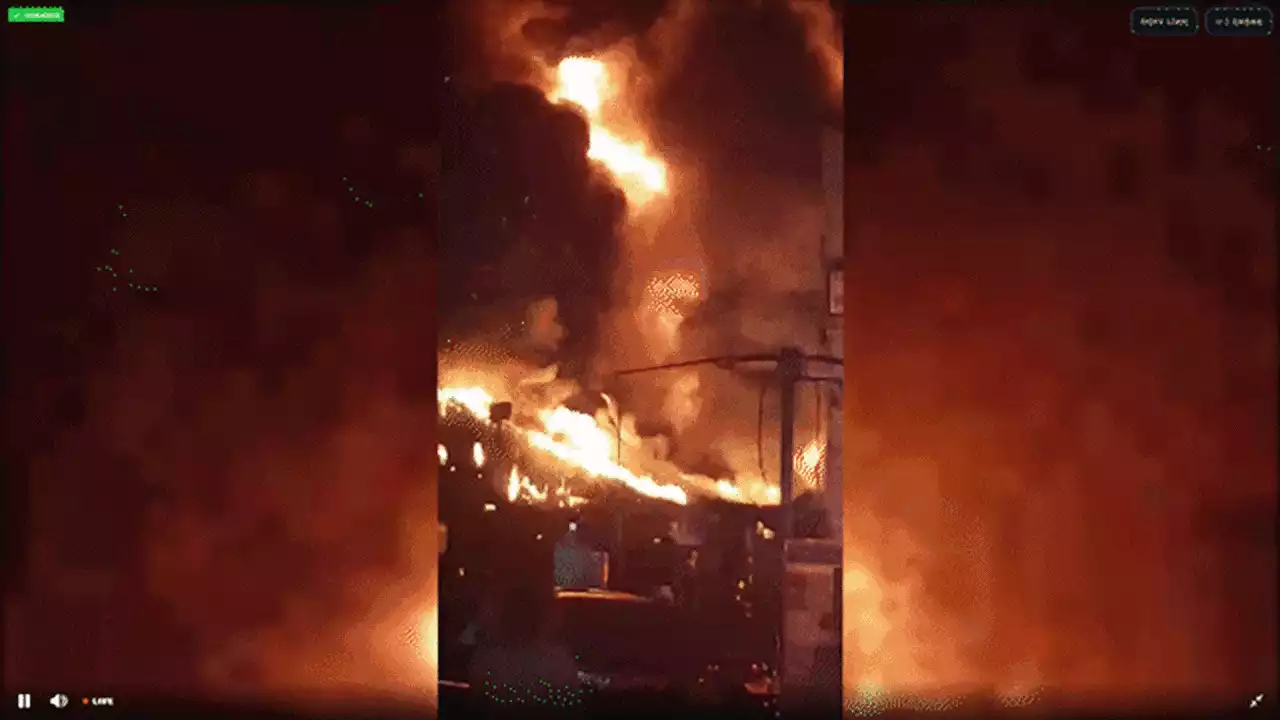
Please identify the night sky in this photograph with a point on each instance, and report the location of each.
(228, 267)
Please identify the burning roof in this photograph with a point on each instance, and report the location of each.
(582, 450)
(664, 277)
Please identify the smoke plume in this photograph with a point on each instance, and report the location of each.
(545, 330)
(696, 271)
(824, 34)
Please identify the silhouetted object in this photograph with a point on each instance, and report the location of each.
(498, 412)
(810, 519)
(686, 580)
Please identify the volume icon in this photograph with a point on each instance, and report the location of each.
(59, 701)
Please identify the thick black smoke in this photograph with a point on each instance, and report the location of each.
(741, 219)
(524, 216)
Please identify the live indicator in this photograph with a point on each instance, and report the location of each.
(37, 15)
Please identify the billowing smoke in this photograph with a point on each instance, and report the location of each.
(545, 330)
(717, 262)
(824, 34)
(760, 279)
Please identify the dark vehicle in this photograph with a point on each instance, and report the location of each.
(633, 652)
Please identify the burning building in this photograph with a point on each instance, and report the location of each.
(659, 289)
(694, 445)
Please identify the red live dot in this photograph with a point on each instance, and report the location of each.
(84, 701)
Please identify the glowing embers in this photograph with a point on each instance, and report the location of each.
(121, 276)
(673, 291)
(671, 296)
(668, 300)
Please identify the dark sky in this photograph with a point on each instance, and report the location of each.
(1054, 274)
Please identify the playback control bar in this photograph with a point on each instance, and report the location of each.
(61, 701)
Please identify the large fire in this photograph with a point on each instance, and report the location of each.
(588, 446)
(595, 88)
(586, 443)
(587, 83)
(662, 281)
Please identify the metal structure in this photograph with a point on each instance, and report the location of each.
(791, 369)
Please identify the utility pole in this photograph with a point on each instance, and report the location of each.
(619, 518)
(790, 365)
(790, 371)
(499, 415)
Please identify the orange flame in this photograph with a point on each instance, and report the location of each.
(587, 84)
(810, 464)
(577, 439)
(580, 441)
(569, 436)
(521, 486)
